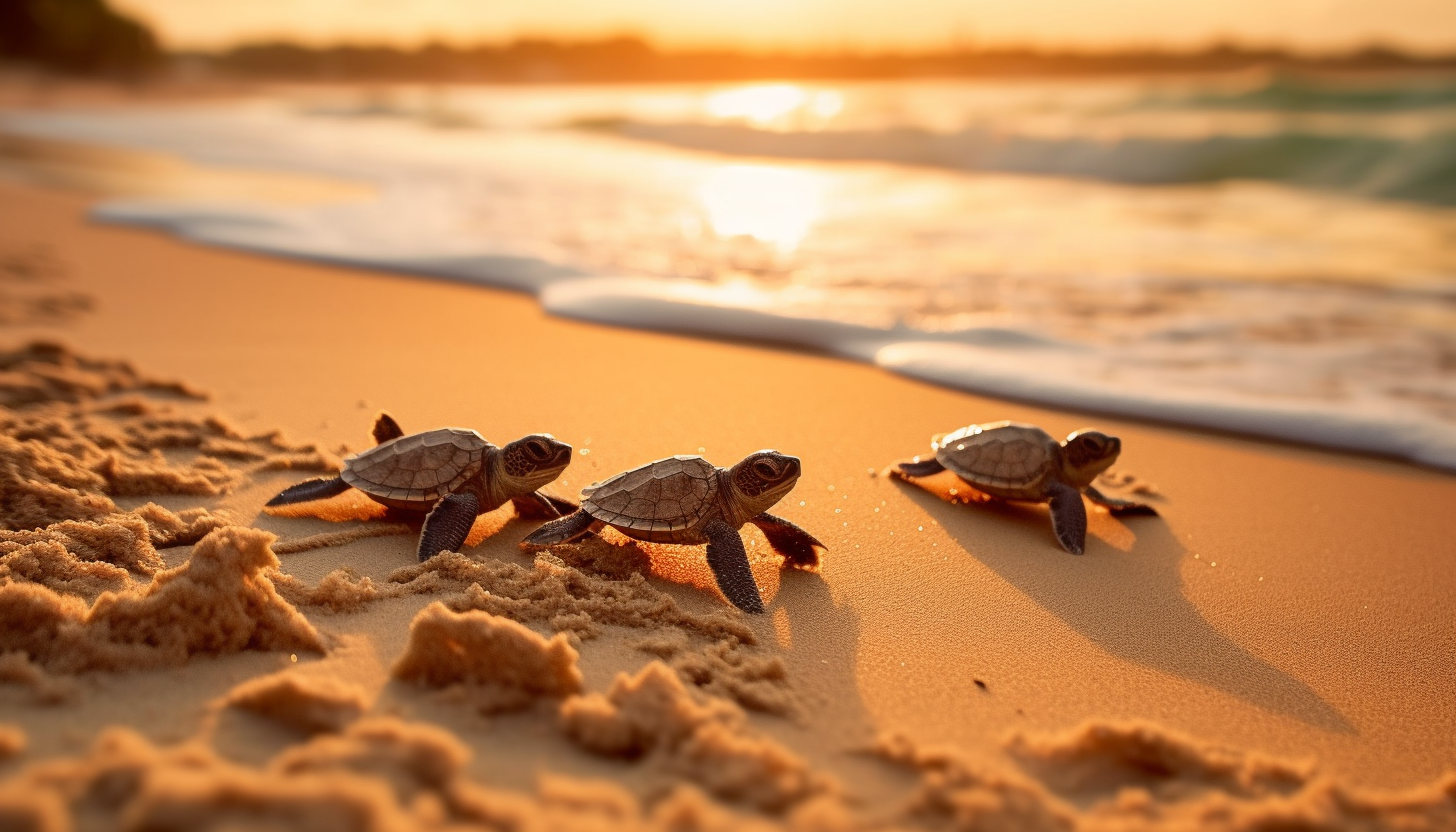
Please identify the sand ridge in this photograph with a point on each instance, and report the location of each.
(218, 602)
(78, 431)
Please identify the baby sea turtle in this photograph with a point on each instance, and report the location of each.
(1014, 461)
(454, 474)
(685, 499)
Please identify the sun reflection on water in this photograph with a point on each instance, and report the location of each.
(775, 106)
(774, 205)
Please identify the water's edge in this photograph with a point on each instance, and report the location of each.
(1003, 364)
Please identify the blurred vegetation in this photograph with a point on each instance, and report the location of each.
(89, 37)
(631, 59)
(75, 36)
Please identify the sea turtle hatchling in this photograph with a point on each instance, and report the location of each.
(1015, 461)
(685, 499)
(454, 474)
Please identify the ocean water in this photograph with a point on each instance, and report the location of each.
(1260, 254)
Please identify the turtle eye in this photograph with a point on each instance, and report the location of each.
(536, 449)
(765, 470)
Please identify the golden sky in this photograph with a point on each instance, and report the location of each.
(1313, 24)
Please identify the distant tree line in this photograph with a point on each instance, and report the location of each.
(87, 36)
(632, 59)
(75, 36)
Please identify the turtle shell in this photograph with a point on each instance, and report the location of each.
(419, 468)
(668, 495)
(1002, 458)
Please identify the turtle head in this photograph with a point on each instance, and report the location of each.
(763, 478)
(1087, 453)
(532, 461)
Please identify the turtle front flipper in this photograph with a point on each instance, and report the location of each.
(799, 548)
(537, 506)
(385, 428)
(567, 529)
(1117, 506)
(923, 468)
(1069, 517)
(729, 562)
(310, 490)
(448, 524)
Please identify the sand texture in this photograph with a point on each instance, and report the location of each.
(1276, 649)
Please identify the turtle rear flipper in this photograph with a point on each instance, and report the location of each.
(307, 491)
(1069, 517)
(385, 428)
(1116, 505)
(799, 548)
(729, 562)
(448, 524)
(567, 529)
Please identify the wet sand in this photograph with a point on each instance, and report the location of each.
(1278, 643)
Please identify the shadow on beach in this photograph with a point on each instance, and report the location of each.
(1129, 603)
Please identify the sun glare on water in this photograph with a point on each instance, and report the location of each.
(774, 205)
(773, 105)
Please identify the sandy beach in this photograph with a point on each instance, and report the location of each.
(1276, 649)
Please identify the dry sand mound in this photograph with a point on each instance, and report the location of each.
(81, 557)
(76, 431)
(411, 757)
(958, 794)
(564, 597)
(341, 591)
(503, 663)
(1130, 778)
(218, 602)
(380, 775)
(307, 704)
(653, 717)
(1106, 757)
(712, 651)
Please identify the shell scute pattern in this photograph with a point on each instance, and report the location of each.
(1004, 455)
(666, 495)
(421, 466)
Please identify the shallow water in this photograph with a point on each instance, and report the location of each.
(1265, 255)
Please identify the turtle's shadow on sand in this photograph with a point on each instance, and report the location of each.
(823, 654)
(1138, 610)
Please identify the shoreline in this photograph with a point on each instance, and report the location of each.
(1010, 365)
(1289, 602)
